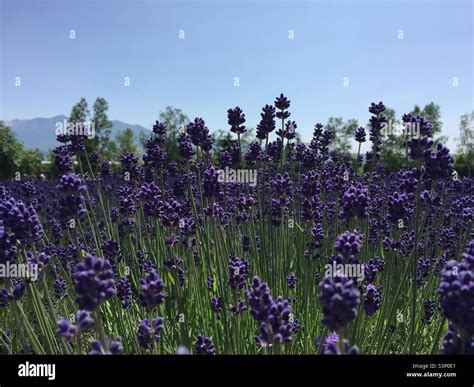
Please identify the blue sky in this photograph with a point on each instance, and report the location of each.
(245, 39)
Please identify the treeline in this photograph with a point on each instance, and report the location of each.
(19, 162)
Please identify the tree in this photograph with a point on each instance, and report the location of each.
(344, 133)
(125, 141)
(79, 112)
(14, 158)
(9, 151)
(224, 139)
(29, 162)
(175, 120)
(465, 152)
(102, 127)
(432, 113)
(393, 139)
(101, 141)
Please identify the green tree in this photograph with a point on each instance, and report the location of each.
(432, 113)
(344, 133)
(14, 158)
(29, 162)
(101, 141)
(393, 138)
(125, 140)
(79, 112)
(465, 153)
(10, 149)
(175, 120)
(224, 139)
(102, 127)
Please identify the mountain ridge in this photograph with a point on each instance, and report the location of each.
(26, 130)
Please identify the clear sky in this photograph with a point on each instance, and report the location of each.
(245, 39)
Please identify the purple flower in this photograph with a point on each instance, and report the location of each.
(372, 298)
(172, 240)
(333, 338)
(282, 103)
(20, 220)
(438, 162)
(339, 299)
(376, 108)
(317, 235)
(419, 146)
(238, 308)
(225, 159)
(159, 128)
(376, 122)
(217, 306)
(84, 321)
(282, 185)
(468, 255)
(198, 132)
(429, 309)
(452, 343)
(456, 290)
(124, 292)
(254, 153)
(204, 346)
(149, 333)
(267, 123)
(238, 271)
(246, 243)
(155, 155)
(422, 271)
(151, 290)
(113, 347)
(349, 244)
(372, 268)
(65, 329)
(169, 212)
(60, 287)
(332, 348)
(354, 203)
(236, 119)
(71, 203)
(272, 315)
(292, 280)
(185, 146)
(8, 246)
(398, 207)
(128, 160)
(70, 183)
(210, 283)
(95, 283)
(210, 182)
(360, 135)
(187, 226)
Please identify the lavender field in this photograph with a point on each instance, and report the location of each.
(281, 247)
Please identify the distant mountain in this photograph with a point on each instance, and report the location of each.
(41, 132)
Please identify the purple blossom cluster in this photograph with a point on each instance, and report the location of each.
(273, 316)
(162, 234)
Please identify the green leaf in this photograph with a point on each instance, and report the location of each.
(170, 277)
